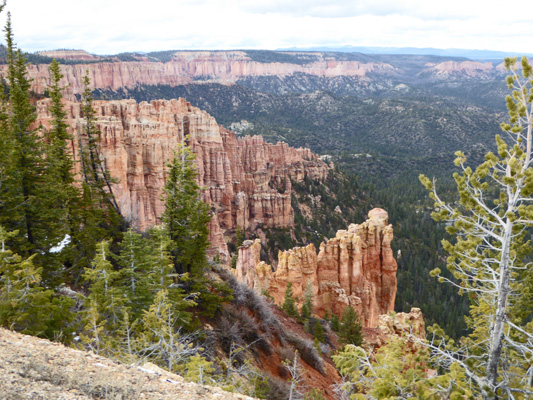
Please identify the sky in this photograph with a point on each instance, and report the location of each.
(114, 26)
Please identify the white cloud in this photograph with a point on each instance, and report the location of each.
(112, 26)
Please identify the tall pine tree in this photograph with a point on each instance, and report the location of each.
(186, 215)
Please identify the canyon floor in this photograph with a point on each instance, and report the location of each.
(37, 369)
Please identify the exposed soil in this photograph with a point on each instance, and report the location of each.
(37, 369)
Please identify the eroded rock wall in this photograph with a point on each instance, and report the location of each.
(356, 268)
(245, 180)
(224, 67)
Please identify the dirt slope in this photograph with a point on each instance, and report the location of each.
(37, 369)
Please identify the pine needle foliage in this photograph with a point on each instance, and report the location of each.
(490, 221)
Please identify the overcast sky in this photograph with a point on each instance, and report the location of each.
(114, 26)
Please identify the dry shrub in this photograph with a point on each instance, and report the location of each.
(307, 352)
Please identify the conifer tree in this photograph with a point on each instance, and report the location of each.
(97, 216)
(186, 215)
(350, 328)
(31, 212)
(490, 221)
(60, 164)
(307, 307)
(105, 300)
(318, 332)
(289, 303)
(335, 323)
(397, 370)
(161, 274)
(199, 370)
(136, 259)
(162, 338)
(25, 305)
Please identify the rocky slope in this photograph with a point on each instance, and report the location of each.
(34, 369)
(356, 268)
(246, 180)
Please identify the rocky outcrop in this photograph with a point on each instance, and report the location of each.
(246, 181)
(356, 268)
(463, 69)
(78, 55)
(224, 67)
(410, 325)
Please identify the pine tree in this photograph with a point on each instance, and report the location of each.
(335, 324)
(491, 221)
(199, 370)
(318, 332)
(396, 370)
(96, 216)
(350, 328)
(307, 307)
(60, 164)
(136, 260)
(104, 312)
(25, 305)
(289, 304)
(29, 195)
(186, 215)
(161, 337)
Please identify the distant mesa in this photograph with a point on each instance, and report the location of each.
(75, 55)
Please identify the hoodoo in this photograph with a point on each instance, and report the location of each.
(356, 268)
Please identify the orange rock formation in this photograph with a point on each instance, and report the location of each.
(408, 325)
(242, 177)
(186, 67)
(356, 268)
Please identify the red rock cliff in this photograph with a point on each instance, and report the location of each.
(356, 268)
(246, 180)
(187, 67)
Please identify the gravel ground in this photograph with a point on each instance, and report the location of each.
(37, 369)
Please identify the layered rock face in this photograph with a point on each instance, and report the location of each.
(470, 69)
(188, 67)
(246, 180)
(356, 268)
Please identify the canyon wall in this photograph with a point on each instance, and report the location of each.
(228, 67)
(185, 67)
(246, 181)
(356, 268)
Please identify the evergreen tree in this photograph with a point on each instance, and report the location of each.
(161, 337)
(318, 332)
(60, 165)
(307, 307)
(25, 305)
(162, 273)
(199, 370)
(30, 210)
(96, 216)
(490, 221)
(397, 370)
(104, 311)
(335, 324)
(289, 303)
(136, 260)
(350, 328)
(186, 215)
